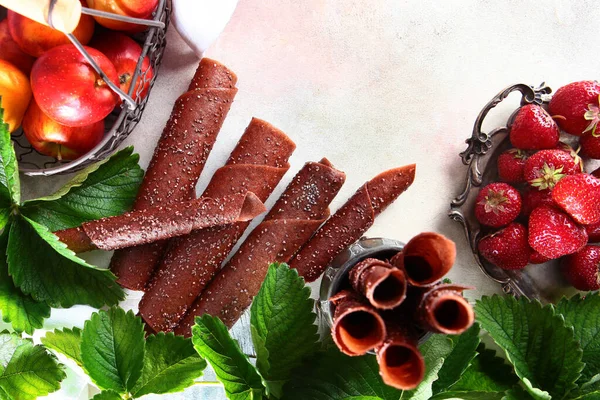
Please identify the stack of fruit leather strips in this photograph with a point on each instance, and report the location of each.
(389, 304)
(294, 218)
(178, 161)
(257, 164)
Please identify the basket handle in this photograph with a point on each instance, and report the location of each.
(65, 13)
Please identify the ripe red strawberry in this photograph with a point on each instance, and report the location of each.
(507, 248)
(574, 154)
(579, 196)
(497, 204)
(582, 269)
(510, 166)
(533, 129)
(537, 258)
(593, 232)
(553, 234)
(533, 198)
(590, 146)
(545, 168)
(575, 107)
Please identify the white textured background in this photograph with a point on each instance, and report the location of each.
(377, 84)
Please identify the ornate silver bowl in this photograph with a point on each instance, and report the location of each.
(542, 282)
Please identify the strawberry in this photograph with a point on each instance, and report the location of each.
(507, 248)
(575, 107)
(537, 258)
(590, 146)
(533, 198)
(574, 153)
(593, 232)
(579, 196)
(510, 166)
(545, 168)
(582, 269)
(497, 204)
(533, 129)
(554, 234)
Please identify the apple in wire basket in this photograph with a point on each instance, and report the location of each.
(130, 8)
(56, 140)
(124, 53)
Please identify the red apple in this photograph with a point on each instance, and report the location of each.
(131, 8)
(11, 52)
(124, 52)
(56, 140)
(69, 90)
(35, 39)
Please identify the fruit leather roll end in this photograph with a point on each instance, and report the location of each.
(380, 282)
(178, 161)
(299, 211)
(426, 258)
(159, 223)
(443, 309)
(357, 326)
(401, 364)
(351, 221)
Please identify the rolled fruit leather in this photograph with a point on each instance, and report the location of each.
(380, 282)
(257, 164)
(178, 161)
(160, 223)
(351, 221)
(294, 218)
(443, 309)
(426, 258)
(401, 364)
(357, 326)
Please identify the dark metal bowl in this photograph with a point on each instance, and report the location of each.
(119, 124)
(542, 282)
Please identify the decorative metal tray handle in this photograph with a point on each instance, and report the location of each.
(478, 148)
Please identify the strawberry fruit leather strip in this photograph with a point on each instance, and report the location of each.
(159, 223)
(443, 309)
(426, 258)
(257, 164)
(357, 326)
(380, 282)
(178, 161)
(401, 364)
(294, 218)
(351, 221)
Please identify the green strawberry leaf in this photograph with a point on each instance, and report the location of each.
(487, 373)
(541, 348)
(517, 393)
(107, 395)
(27, 371)
(282, 323)
(104, 189)
(112, 349)
(331, 375)
(9, 168)
(233, 369)
(463, 352)
(170, 365)
(583, 314)
(20, 310)
(66, 341)
(44, 268)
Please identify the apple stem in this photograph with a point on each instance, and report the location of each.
(59, 155)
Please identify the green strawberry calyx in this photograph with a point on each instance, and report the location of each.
(549, 177)
(494, 202)
(593, 115)
(518, 154)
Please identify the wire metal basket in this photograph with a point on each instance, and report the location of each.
(121, 122)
